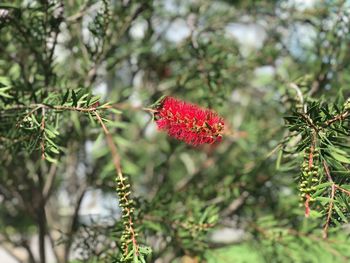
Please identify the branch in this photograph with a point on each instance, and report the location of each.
(83, 11)
(38, 106)
(185, 182)
(235, 204)
(338, 117)
(112, 147)
(74, 221)
(47, 189)
(310, 122)
(42, 130)
(29, 251)
(114, 42)
(330, 209)
(300, 95)
(12, 248)
(127, 211)
(342, 189)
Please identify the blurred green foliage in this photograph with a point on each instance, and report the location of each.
(277, 71)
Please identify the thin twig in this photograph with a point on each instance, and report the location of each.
(235, 204)
(42, 130)
(338, 117)
(27, 115)
(13, 252)
(83, 11)
(38, 106)
(342, 189)
(310, 122)
(112, 147)
(300, 95)
(330, 209)
(117, 165)
(47, 189)
(74, 220)
(149, 110)
(315, 238)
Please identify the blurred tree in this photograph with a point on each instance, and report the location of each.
(75, 77)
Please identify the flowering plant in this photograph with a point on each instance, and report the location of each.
(188, 122)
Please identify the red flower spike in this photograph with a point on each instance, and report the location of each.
(188, 122)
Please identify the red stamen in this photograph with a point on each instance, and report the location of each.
(188, 122)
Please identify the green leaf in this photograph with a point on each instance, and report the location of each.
(5, 86)
(340, 213)
(323, 185)
(54, 150)
(279, 159)
(52, 129)
(324, 199)
(3, 92)
(81, 99)
(94, 99)
(318, 192)
(315, 214)
(51, 142)
(5, 81)
(345, 186)
(158, 103)
(50, 159)
(8, 6)
(91, 117)
(35, 121)
(115, 111)
(145, 250)
(65, 97)
(49, 133)
(339, 157)
(153, 225)
(106, 105)
(74, 98)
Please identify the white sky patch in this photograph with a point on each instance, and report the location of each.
(138, 29)
(227, 235)
(264, 71)
(98, 205)
(151, 131)
(138, 79)
(61, 53)
(178, 31)
(250, 36)
(175, 7)
(300, 37)
(263, 76)
(301, 5)
(135, 99)
(101, 89)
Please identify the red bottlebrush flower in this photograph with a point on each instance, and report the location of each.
(188, 122)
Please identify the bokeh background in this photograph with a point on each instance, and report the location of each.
(232, 202)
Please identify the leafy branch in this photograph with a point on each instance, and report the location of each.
(322, 134)
(129, 235)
